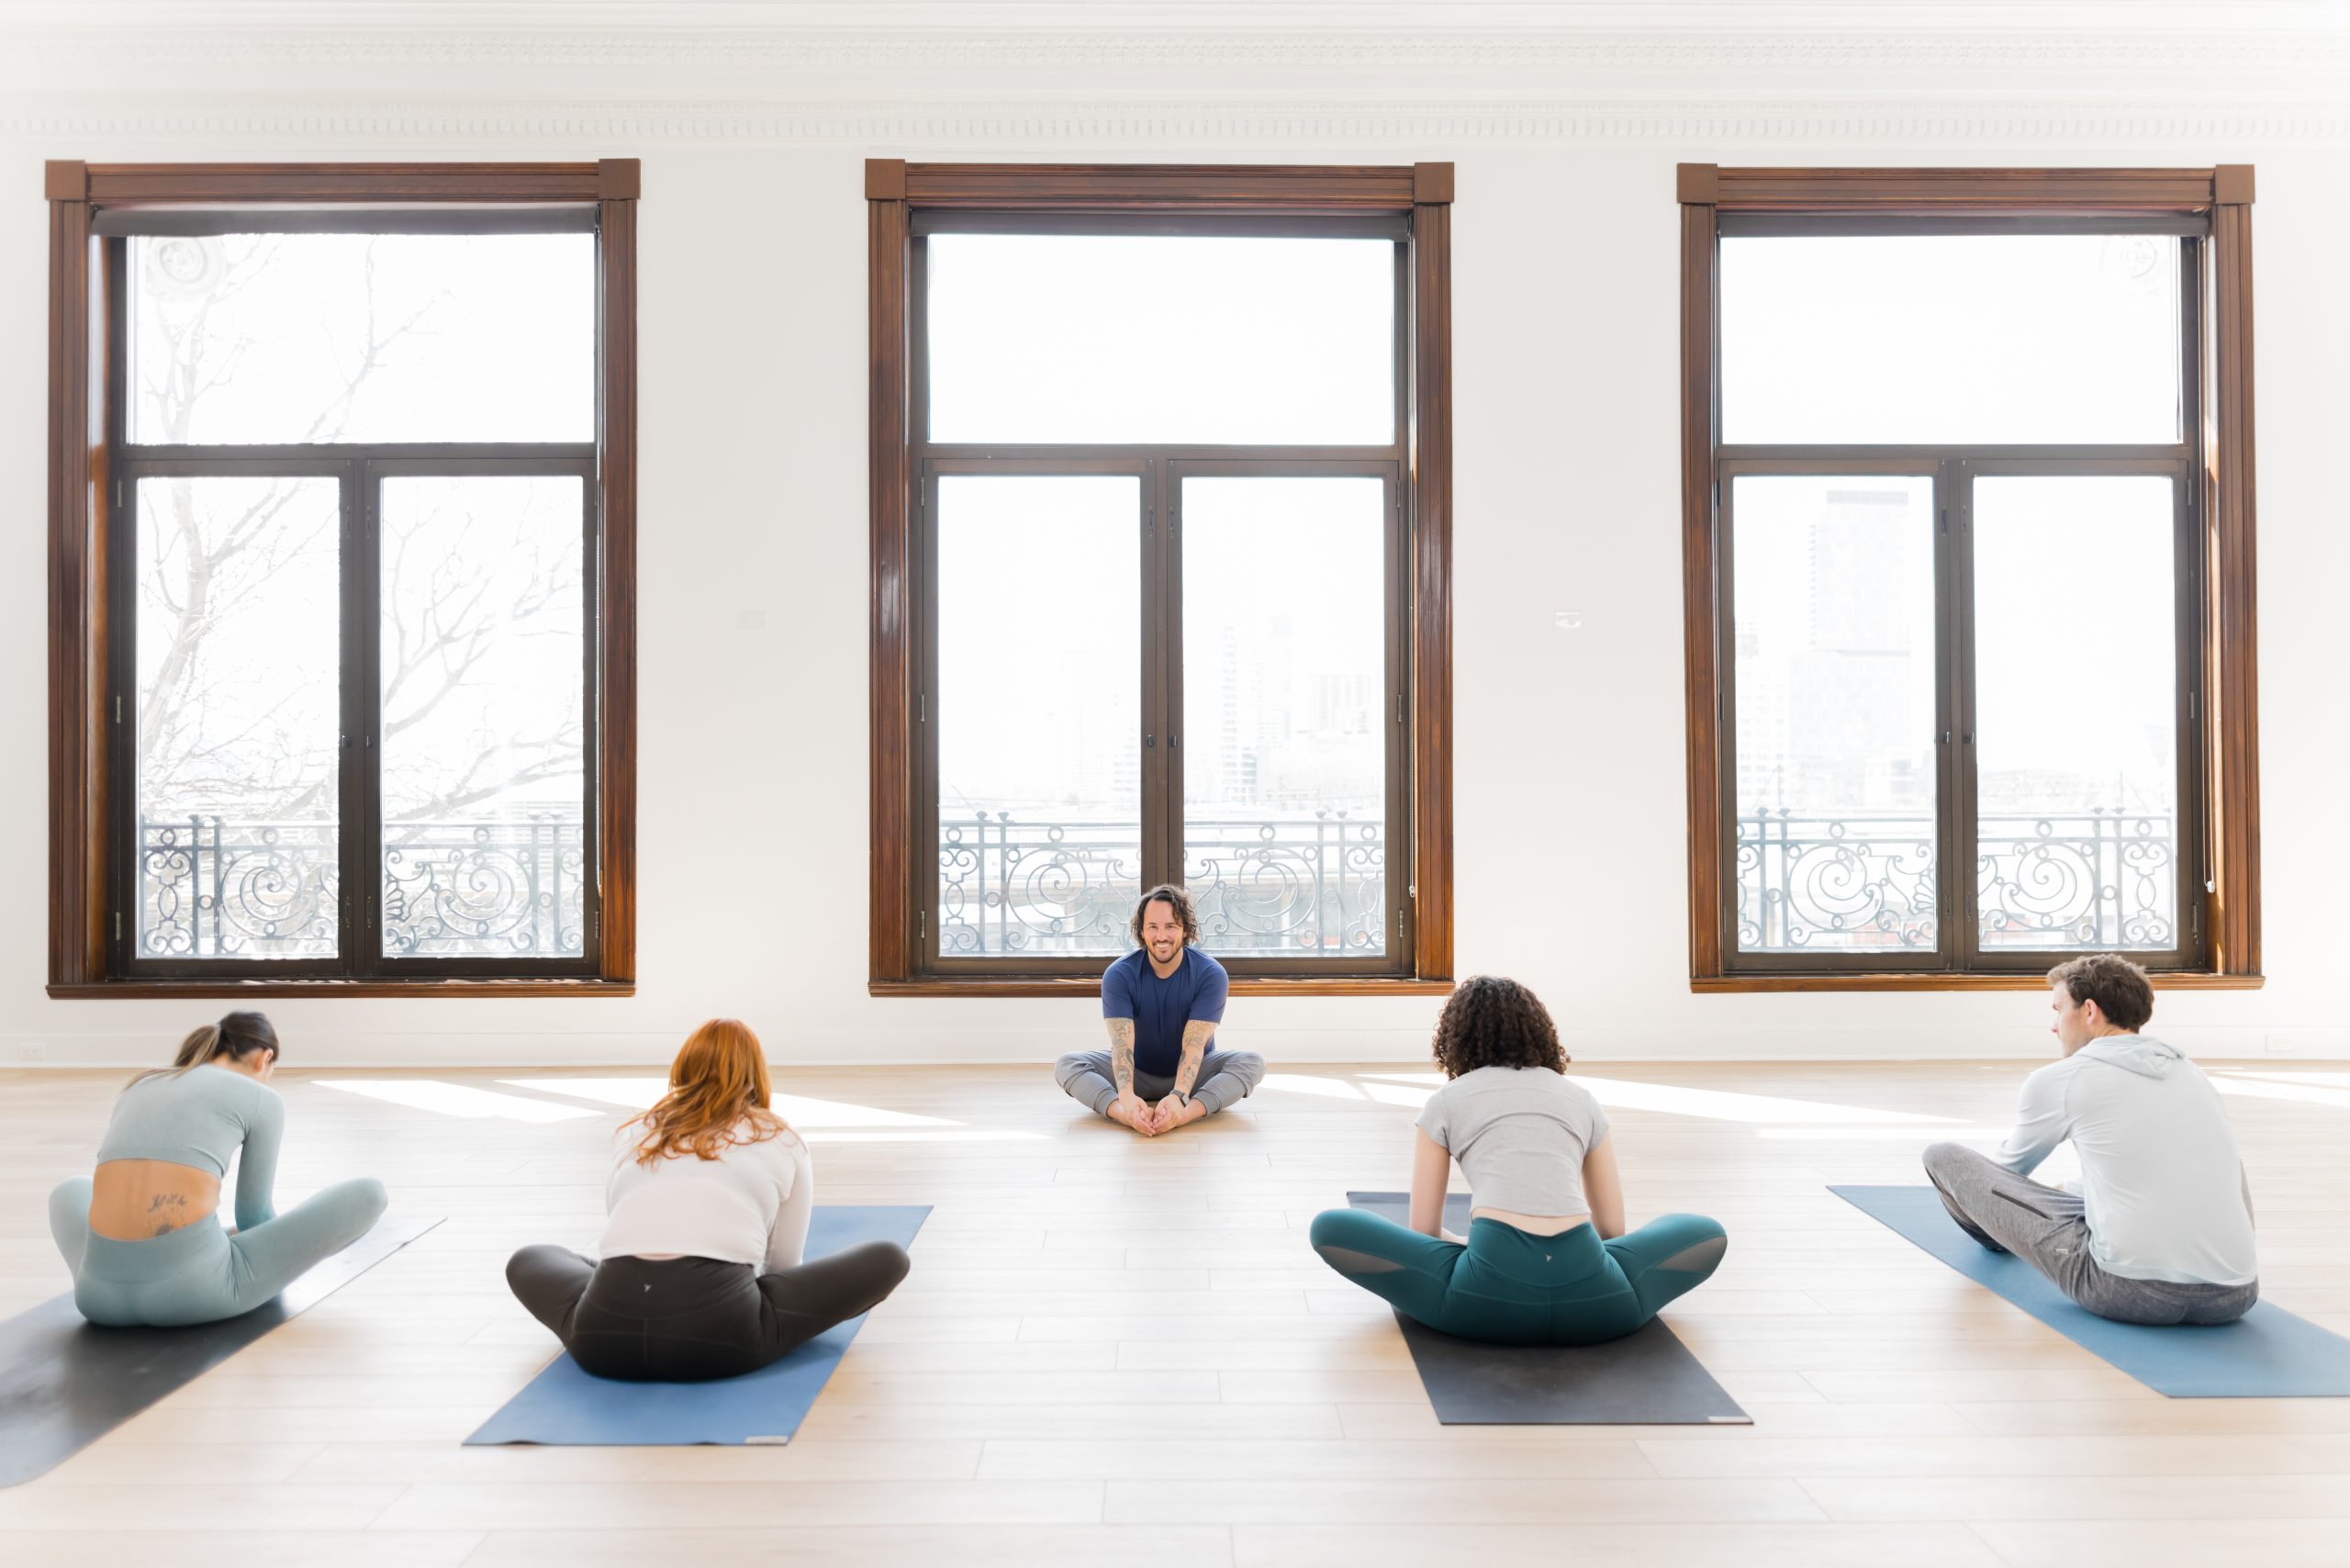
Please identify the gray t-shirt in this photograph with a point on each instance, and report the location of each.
(1520, 1134)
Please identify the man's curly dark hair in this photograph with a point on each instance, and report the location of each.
(1492, 1021)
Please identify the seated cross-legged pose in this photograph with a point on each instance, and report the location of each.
(142, 1236)
(2161, 1231)
(1161, 1002)
(1546, 1260)
(707, 1215)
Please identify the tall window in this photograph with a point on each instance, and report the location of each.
(1963, 560)
(1161, 552)
(357, 536)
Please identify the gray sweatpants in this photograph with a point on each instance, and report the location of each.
(1225, 1077)
(2046, 1228)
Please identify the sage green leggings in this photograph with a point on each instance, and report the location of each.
(1516, 1288)
(200, 1273)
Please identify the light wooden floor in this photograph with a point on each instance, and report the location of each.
(1119, 1351)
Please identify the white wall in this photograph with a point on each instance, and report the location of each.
(753, 499)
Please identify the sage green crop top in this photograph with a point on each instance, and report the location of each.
(202, 1118)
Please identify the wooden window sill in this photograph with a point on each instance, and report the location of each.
(1091, 985)
(2181, 979)
(142, 989)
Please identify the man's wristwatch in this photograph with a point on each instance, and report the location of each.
(1183, 1097)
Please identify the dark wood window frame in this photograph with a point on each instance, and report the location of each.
(2219, 696)
(896, 191)
(88, 653)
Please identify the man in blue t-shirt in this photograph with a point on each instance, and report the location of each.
(1162, 1003)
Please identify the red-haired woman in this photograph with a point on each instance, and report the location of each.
(708, 1209)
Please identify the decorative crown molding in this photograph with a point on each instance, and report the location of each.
(1241, 50)
(1059, 74)
(2101, 53)
(929, 125)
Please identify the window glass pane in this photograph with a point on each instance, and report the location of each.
(1287, 715)
(1950, 338)
(1149, 338)
(1834, 622)
(2077, 715)
(266, 337)
(1039, 716)
(238, 714)
(483, 670)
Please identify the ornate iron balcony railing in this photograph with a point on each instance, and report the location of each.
(1304, 884)
(2095, 880)
(213, 888)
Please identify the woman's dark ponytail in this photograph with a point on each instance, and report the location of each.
(239, 1037)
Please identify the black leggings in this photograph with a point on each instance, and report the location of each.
(692, 1320)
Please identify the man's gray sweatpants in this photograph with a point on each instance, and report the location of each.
(1225, 1077)
(2046, 1228)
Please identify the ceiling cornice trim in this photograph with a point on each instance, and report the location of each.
(61, 53)
(929, 125)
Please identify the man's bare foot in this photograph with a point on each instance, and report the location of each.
(1135, 1114)
(1172, 1113)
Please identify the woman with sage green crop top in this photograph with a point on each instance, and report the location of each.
(1546, 1261)
(142, 1237)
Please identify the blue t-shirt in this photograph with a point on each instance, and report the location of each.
(1132, 988)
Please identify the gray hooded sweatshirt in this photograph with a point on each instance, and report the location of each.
(2162, 1184)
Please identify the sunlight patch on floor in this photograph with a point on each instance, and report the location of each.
(2316, 1079)
(801, 1111)
(1304, 1083)
(456, 1099)
(928, 1135)
(1761, 1110)
(1921, 1137)
(2265, 1088)
(1770, 1115)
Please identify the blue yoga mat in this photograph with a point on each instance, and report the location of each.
(564, 1407)
(2267, 1354)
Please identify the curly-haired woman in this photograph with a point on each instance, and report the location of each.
(1546, 1261)
(708, 1209)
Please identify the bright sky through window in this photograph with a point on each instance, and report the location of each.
(1152, 338)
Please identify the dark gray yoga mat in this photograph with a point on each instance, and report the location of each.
(65, 1382)
(2267, 1354)
(1648, 1379)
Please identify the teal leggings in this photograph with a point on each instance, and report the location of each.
(200, 1273)
(1516, 1288)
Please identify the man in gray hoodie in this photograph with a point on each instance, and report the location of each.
(2161, 1231)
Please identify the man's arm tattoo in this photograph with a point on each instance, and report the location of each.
(1196, 1036)
(1122, 1054)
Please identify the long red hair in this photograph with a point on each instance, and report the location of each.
(718, 1097)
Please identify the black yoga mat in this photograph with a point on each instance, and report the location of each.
(1648, 1379)
(65, 1382)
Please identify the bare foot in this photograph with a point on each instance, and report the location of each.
(1133, 1114)
(1178, 1114)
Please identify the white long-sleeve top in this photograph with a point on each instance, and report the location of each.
(2162, 1186)
(748, 1205)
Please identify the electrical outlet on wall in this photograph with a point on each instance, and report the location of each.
(2280, 1045)
(32, 1050)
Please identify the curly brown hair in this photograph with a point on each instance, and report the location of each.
(1492, 1021)
(1173, 898)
